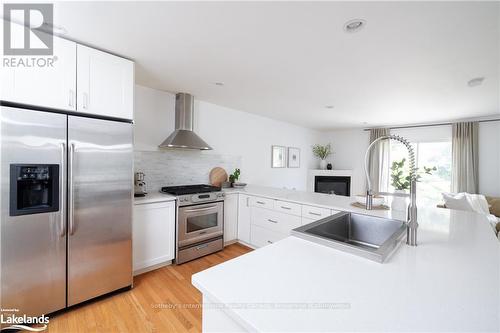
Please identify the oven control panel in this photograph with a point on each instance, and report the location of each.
(199, 198)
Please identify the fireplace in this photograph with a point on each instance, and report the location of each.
(339, 185)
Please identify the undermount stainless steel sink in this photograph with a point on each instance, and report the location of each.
(374, 238)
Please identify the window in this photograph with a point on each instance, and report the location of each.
(432, 149)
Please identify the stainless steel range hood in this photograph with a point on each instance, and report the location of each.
(183, 137)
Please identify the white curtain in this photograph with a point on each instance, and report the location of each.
(379, 162)
(464, 176)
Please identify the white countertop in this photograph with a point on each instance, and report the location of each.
(337, 202)
(449, 282)
(154, 197)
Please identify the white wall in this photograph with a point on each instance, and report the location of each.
(489, 158)
(349, 148)
(245, 136)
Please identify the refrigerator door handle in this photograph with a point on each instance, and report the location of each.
(62, 196)
(70, 189)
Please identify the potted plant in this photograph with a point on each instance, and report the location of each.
(400, 180)
(322, 152)
(233, 178)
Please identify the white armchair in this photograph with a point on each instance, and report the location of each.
(478, 203)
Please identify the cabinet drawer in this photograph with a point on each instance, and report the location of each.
(307, 221)
(261, 237)
(288, 207)
(275, 221)
(261, 202)
(315, 213)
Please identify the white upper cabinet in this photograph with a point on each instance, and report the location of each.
(50, 83)
(76, 78)
(105, 84)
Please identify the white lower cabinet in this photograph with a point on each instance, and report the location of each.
(274, 221)
(153, 235)
(315, 213)
(269, 226)
(230, 217)
(262, 236)
(307, 221)
(312, 214)
(262, 221)
(244, 214)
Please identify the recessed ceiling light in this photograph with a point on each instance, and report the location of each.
(328, 106)
(477, 81)
(220, 84)
(354, 25)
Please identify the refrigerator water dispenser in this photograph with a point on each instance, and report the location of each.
(34, 188)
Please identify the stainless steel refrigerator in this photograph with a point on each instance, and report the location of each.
(66, 207)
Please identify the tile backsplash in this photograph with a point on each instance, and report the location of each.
(182, 167)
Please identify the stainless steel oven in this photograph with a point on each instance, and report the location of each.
(198, 223)
(200, 220)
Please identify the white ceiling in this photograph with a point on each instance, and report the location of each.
(288, 60)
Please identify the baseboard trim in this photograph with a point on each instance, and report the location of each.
(152, 267)
(230, 242)
(246, 244)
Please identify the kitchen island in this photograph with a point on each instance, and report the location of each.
(449, 282)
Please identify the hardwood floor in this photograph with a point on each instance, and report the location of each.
(161, 301)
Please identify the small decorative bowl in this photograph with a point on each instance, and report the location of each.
(377, 200)
(239, 185)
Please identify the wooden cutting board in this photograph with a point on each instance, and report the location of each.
(217, 176)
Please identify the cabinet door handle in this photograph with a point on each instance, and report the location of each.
(85, 102)
(315, 214)
(284, 207)
(261, 202)
(71, 101)
(272, 221)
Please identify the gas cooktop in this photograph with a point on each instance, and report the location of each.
(189, 189)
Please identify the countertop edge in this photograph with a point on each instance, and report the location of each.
(308, 203)
(153, 198)
(240, 191)
(230, 312)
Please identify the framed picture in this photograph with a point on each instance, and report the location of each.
(293, 157)
(278, 157)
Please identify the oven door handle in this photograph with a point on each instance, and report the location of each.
(200, 209)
